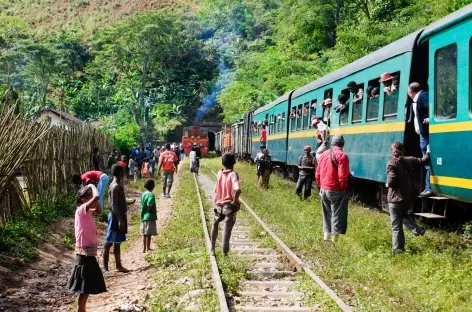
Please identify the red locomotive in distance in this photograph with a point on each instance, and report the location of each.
(195, 135)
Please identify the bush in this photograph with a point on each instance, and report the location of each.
(19, 237)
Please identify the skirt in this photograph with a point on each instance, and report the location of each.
(149, 227)
(86, 277)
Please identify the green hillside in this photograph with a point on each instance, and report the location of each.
(148, 67)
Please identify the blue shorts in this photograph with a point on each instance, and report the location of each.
(114, 236)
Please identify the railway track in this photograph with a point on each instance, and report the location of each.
(273, 273)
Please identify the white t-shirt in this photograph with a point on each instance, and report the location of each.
(415, 109)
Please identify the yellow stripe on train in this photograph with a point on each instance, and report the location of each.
(451, 127)
(450, 181)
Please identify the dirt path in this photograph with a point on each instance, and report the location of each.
(128, 292)
(42, 285)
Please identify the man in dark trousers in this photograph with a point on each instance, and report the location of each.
(399, 194)
(306, 167)
(420, 106)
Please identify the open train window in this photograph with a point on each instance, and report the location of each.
(306, 114)
(282, 127)
(299, 116)
(313, 107)
(358, 103)
(391, 90)
(328, 96)
(342, 106)
(293, 119)
(373, 98)
(445, 92)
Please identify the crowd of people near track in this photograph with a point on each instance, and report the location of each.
(328, 165)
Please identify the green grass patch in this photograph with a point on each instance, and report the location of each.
(18, 238)
(68, 239)
(181, 258)
(434, 274)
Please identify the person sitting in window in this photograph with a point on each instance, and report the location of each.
(327, 103)
(322, 135)
(343, 103)
(375, 92)
(292, 114)
(387, 80)
(368, 91)
(299, 113)
(358, 92)
(313, 104)
(305, 111)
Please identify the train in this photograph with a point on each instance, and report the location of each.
(195, 135)
(438, 57)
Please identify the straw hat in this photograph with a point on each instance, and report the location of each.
(327, 102)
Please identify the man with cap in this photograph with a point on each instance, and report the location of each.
(306, 169)
(332, 175)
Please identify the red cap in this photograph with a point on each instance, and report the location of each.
(307, 147)
(385, 77)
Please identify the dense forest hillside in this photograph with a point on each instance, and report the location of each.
(147, 67)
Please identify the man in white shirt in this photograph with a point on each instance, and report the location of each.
(420, 107)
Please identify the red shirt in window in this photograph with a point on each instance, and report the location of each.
(263, 135)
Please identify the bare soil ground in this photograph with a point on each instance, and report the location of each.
(42, 285)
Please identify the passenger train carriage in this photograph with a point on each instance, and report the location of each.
(438, 57)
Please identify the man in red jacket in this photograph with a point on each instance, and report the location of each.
(332, 175)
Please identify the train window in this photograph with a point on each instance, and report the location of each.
(299, 116)
(293, 119)
(358, 105)
(445, 92)
(282, 127)
(328, 96)
(391, 91)
(373, 98)
(306, 114)
(314, 104)
(269, 128)
(186, 133)
(343, 107)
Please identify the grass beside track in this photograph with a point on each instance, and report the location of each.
(434, 274)
(180, 258)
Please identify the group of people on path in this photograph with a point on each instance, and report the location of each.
(87, 278)
(332, 173)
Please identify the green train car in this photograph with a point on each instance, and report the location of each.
(439, 58)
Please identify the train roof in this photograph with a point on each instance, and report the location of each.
(445, 22)
(272, 104)
(395, 48)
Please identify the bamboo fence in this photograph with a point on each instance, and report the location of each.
(43, 157)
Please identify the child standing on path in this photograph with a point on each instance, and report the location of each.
(117, 219)
(148, 214)
(227, 191)
(87, 278)
(132, 168)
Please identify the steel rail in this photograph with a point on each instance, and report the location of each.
(214, 267)
(296, 260)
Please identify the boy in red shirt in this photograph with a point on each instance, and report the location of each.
(264, 135)
(169, 162)
(227, 191)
